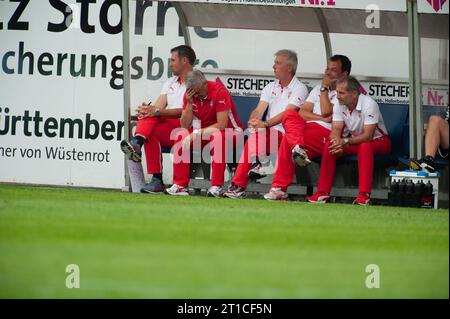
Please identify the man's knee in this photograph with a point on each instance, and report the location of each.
(365, 147)
(435, 121)
(288, 114)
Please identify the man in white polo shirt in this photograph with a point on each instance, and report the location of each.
(266, 134)
(366, 136)
(156, 122)
(307, 130)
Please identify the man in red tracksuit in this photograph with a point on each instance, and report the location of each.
(156, 122)
(307, 130)
(209, 118)
(365, 135)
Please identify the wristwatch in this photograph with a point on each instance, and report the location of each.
(323, 89)
(157, 112)
(266, 124)
(346, 141)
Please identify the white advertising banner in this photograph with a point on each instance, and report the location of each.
(61, 98)
(382, 92)
(61, 101)
(386, 5)
(433, 6)
(154, 31)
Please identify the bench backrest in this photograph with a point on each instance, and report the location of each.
(395, 117)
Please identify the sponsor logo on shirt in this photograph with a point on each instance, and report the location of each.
(172, 88)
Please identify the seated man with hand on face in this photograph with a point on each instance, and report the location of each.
(366, 136)
(208, 111)
(307, 130)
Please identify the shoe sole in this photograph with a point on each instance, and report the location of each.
(318, 202)
(301, 161)
(208, 194)
(361, 204)
(234, 196)
(152, 192)
(128, 150)
(276, 199)
(177, 194)
(255, 176)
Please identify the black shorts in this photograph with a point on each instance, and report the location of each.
(443, 153)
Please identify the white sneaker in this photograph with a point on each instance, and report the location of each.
(215, 191)
(256, 172)
(276, 193)
(235, 191)
(300, 157)
(177, 190)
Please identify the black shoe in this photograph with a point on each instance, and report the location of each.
(132, 150)
(424, 164)
(154, 187)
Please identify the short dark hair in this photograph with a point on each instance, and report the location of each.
(185, 51)
(353, 84)
(346, 64)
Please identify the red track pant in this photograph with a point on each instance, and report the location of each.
(157, 132)
(219, 144)
(311, 136)
(259, 144)
(365, 152)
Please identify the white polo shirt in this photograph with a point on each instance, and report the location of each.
(279, 98)
(314, 98)
(174, 91)
(367, 112)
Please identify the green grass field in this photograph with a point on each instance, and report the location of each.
(143, 246)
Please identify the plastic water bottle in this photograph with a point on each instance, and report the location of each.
(401, 192)
(409, 198)
(428, 197)
(393, 194)
(419, 189)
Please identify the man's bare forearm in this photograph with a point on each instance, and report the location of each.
(326, 107)
(186, 117)
(277, 119)
(335, 133)
(310, 116)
